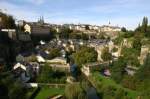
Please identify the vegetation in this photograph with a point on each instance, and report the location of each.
(106, 55)
(8, 21)
(77, 90)
(11, 89)
(55, 52)
(47, 75)
(118, 69)
(85, 55)
(46, 92)
(109, 89)
(131, 56)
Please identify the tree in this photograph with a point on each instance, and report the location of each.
(106, 56)
(55, 52)
(11, 89)
(65, 32)
(45, 74)
(123, 29)
(137, 44)
(130, 55)
(118, 69)
(87, 27)
(144, 72)
(8, 21)
(85, 55)
(144, 24)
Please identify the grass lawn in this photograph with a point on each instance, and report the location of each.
(46, 92)
(108, 81)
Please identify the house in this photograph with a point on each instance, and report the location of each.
(21, 72)
(21, 23)
(25, 71)
(11, 33)
(37, 29)
(40, 59)
(24, 37)
(35, 67)
(59, 63)
(108, 28)
(87, 68)
(131, 70)
(60, 60)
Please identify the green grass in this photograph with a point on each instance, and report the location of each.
(47, 92)
(110, 82)
(30, 92)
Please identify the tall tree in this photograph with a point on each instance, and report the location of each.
(7, 21)
(144, 24)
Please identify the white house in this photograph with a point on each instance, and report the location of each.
(40, 59)
(11, 33)
(22, 72)
(59, 60)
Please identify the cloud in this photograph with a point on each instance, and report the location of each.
(19, 12)
(126, 13)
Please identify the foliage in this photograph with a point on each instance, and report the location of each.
(128, 34)
(82, 36)
(11, 89)
(64, 33)
(74, 91)
(123, 29)
(55, 52)
(109, 89)
(106, 56)
(129, 82)
(118, 40)
(46, 92)
(131, 56)
(85, 55)
(47, 75)
(137, 45)
(115, 49)
(144, 25)
(87, 27)
(118, 69)
(8, 21)
(53, 33)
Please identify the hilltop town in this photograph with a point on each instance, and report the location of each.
(39, 60)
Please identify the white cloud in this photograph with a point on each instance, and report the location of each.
(19, 12)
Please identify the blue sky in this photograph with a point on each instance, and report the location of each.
(126, 13)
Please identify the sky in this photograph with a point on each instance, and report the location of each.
(127, 13)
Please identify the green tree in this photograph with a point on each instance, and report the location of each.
(65, 32)
(45, 74)
(144, 24)
(85, 55)
(11, 89)
(123, 29)
(106, 56)
(8, 21)
(87, 27)
(55, 52)
(118, 69)
(130, 56)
